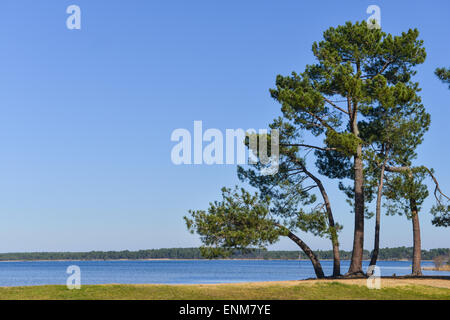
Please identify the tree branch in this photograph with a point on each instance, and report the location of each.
(396, 169)
(322, 122)
(437, 189)
(307, 146)
(335, 106)
(386, 64)
(408, 169)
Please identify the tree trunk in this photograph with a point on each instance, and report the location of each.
(417, 246)
(376, 245)
(336, 256)
(358, 239)
(311, 255)
(331, 224)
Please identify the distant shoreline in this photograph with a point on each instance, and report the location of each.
(161, 254)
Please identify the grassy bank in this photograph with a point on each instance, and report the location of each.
(292, 290)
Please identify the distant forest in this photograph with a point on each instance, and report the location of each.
(194, 253)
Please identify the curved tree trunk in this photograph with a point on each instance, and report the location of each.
(417, 246)
(376, 245)
(331, 224)
(311, 255)
(358, 238)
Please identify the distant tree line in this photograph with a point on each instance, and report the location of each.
(195, 253)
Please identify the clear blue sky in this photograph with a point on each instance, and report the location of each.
(86, 116)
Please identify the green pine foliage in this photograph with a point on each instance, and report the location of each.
(444, 75)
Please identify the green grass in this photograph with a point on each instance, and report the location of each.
(323, 290)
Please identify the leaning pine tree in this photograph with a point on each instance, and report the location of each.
(243, 222)
(285, 205)
(294, 178)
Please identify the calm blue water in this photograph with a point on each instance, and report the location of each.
(177, 272)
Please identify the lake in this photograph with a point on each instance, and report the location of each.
(178, 271)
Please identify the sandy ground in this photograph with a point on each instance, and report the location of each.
(385, 282)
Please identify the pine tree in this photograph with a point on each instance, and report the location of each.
(291, 185)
